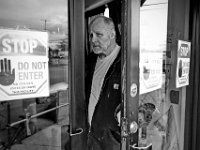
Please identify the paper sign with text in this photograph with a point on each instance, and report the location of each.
(183, 63)
(24, 71)
(150, 71)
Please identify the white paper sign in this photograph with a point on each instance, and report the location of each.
(24, 71)
(183, 63)
(150, 71)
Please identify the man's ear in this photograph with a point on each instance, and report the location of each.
(113, 34)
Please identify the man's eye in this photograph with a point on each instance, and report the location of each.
(91, 36)
(99, 34)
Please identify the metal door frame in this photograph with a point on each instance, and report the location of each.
(78, 130)
(130, 79)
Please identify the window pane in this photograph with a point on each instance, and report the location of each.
(29, 17)
(154, 109)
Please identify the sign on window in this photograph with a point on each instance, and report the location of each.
(183, 63)
(24, 69)
(150, 71)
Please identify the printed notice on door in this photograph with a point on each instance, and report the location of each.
(24, 69)
(183, 63)
(150, 71)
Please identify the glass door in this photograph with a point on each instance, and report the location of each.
(151, 110)
(155, 114)
(34, 99)
(150, 117)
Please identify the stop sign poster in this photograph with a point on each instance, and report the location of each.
(183, 63)
(23, 64)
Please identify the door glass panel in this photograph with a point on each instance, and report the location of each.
(156, 116)
(31, 116)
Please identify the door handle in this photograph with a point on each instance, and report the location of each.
(77, 132)
(135, 147)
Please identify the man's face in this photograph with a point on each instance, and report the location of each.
(100, 37)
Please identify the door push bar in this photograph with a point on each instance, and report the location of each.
(28, 116)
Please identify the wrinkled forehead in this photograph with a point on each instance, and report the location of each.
(99, 25)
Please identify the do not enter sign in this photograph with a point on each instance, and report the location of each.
(23, 64)
(183, 63)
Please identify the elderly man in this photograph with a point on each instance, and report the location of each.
(103, 86)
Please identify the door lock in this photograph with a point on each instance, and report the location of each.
(133, 127)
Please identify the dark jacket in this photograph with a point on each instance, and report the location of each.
(109, 99)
